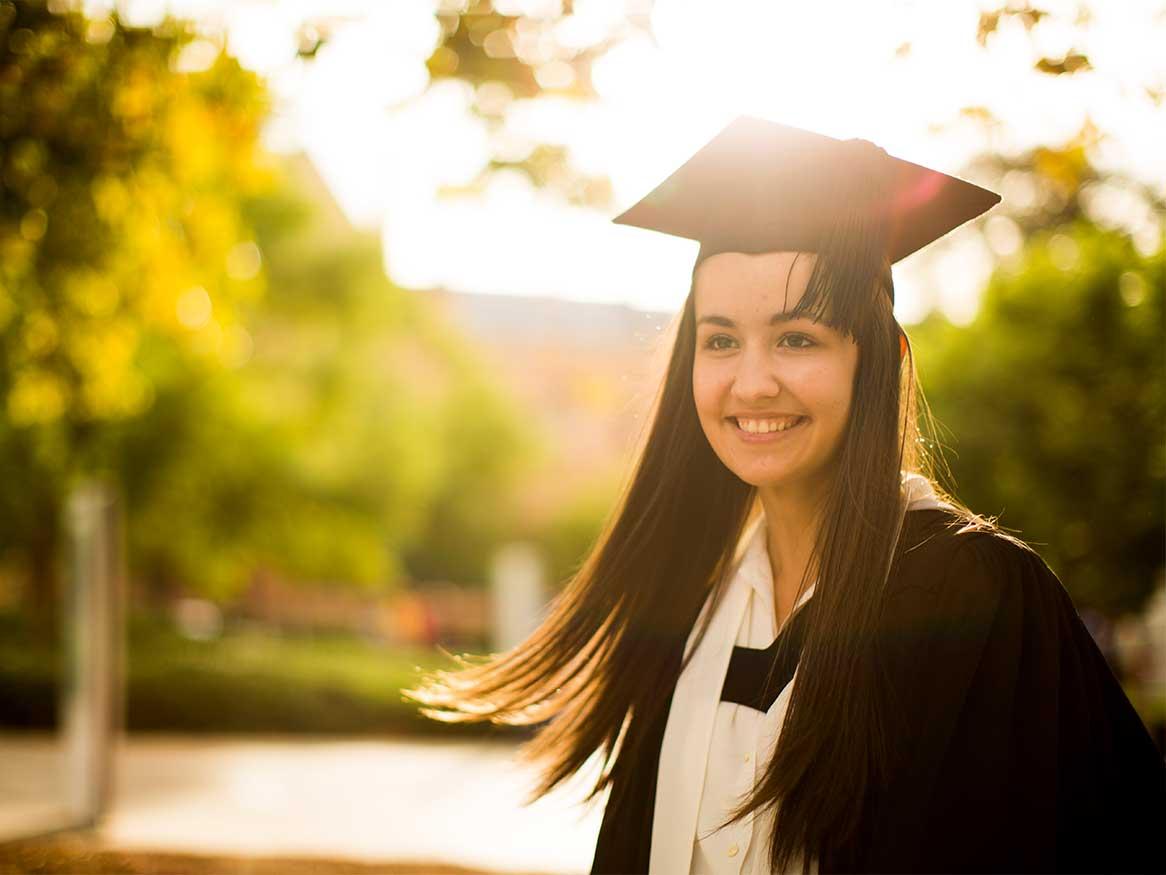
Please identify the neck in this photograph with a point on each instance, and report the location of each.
(792, 519)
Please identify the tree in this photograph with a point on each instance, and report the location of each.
(1053, 401)
(386, 415)
(119, 244)
(1053, 397)
(176, 316)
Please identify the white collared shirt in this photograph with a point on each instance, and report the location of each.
(743, 738)
(713, 752)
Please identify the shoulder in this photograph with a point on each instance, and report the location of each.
(943, 548)
(954, 571)
(1009, 736)
(967, 602)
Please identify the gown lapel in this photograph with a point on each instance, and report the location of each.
(684, 750)
(687, 738)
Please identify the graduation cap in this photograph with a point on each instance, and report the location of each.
(759, 186)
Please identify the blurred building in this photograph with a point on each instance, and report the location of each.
(425, 615)
(586, 372)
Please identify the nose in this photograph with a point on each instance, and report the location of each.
(757, 376)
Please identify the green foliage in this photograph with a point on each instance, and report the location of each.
(1054, 403)
(119, 212)
(1030, 17)
(175, 316)
(245, 681)
(570, 534)
(120, 179)
(508, 57)
(474, 510)
(385, 411)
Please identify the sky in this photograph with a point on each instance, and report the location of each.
(386, 140)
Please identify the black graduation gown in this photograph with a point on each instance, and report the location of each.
(1014, 748)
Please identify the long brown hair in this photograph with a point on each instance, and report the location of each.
(601, 666)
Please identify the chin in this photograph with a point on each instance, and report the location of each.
(761, 479)
(774, 478)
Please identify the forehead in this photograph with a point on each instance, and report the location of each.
(740, 283)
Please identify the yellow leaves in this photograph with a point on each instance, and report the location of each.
(16, 254)
(37, 396)
(1072, 62)
(159, 293)
(92, 294)
(157, 197)
(258, 176)
(194, 307)
(193, 138)
(244, 261)
(1063, 168)
(212, 227)
(108, 394)
(27, 157)
(211, 143)
(208, 342)
(102, 353)
(111, 199)
(7, 307)
(99, 30)
(94, 376)
(134, 99)
(229, 346)
(443, 62)
(39, 334)
(101, 346)
(33, 225)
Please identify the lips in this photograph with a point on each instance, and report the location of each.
(787, 425)
(773, 422)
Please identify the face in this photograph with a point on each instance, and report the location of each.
(772, 393)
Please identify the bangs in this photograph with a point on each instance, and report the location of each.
(851, 270)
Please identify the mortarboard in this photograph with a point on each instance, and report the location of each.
(759, 186)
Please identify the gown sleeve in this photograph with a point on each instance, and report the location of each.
(624, 843)
(1012, 747)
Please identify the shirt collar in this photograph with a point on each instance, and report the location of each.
(919, 494)
(755, 571)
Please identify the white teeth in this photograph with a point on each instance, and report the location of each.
(765, 426)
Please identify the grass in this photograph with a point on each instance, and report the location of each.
(254, 681)
(244, 681)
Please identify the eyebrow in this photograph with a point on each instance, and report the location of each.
(726, 322)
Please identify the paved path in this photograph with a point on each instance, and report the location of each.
(453, 802)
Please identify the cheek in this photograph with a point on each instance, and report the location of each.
(842, 382)
(707, 391)
(840, 401)
(829, 389)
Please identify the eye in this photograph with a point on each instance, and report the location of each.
(712, 342)
(797, 341)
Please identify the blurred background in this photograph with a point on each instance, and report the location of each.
(318, 352)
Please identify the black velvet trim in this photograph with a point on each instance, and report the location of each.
(749, 667)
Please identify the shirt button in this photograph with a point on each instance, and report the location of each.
(748, 757)
(733, 850)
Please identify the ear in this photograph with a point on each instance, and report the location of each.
(902, 344)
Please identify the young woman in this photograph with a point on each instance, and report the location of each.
(789, 649)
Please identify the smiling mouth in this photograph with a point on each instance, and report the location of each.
(765, 429)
